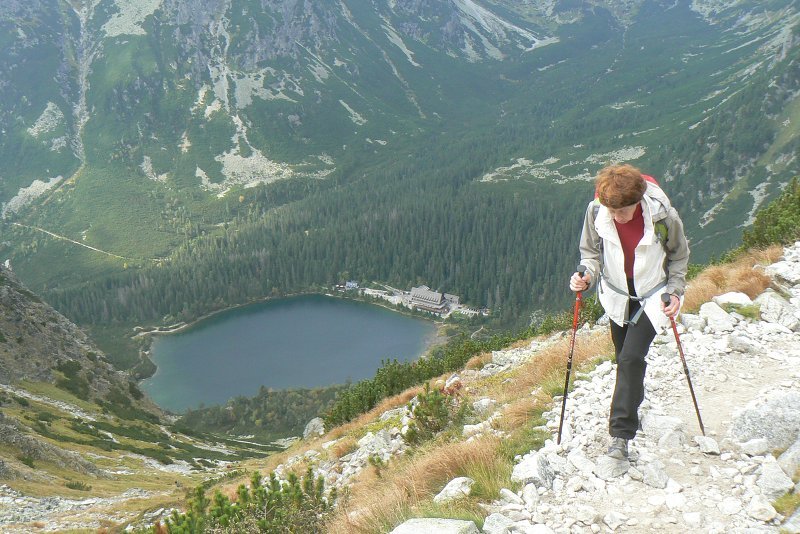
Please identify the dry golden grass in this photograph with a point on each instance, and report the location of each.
(344, 446)
(519, 413)
(387, 404)
(550, 365)
(477, 362)
(738, 276)
(376, 503)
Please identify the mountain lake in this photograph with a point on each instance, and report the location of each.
(298, 342)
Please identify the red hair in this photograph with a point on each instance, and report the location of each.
(618, 186)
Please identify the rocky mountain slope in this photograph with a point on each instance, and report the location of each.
(80, 445)
(743, 365)
(745, 373)
(37, 344)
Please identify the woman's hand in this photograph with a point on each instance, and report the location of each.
(671, 309)
(578, 283)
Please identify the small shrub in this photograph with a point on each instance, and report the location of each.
(272, 506)
(27, 460)
(779, 222)
(69, 368)
(46, 417)
(431, 416)
(22, 401)
(76, 485)
(378, 463)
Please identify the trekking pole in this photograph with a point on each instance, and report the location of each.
(578, 297)
(666, 299)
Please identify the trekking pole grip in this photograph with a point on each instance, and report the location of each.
(666, 298)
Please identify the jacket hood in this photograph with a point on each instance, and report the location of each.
(658, 201)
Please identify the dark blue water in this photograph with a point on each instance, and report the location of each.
(306, 341)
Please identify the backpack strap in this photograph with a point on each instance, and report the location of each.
(633, 320)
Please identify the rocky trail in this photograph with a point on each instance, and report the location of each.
(746, 374)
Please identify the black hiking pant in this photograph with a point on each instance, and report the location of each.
(631, 343)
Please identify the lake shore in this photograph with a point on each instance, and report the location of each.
(319, 331)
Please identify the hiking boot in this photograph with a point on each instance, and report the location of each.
(618, 449)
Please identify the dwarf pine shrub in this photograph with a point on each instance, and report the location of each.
(274, 506)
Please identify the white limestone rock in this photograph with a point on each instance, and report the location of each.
(608, 468)
(776, 309)
(581, 462)
(314, 428)
(484, 407)
(693, 519)
(761, 509)
(773, 481)
(672, 440)
(509, 497)
(774, 418)
(790, 459)
(534, 468)
(792, 526)
(530, 496)
(614, 520)
(730, 506)
(692, 321)
(520, 528)
(498, 524)
(657, 425)
(455, 489)
(786, 271)
(734, 297)
(707, 445)
(654, 475)
(717, 318)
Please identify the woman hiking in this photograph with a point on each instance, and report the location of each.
(634, 249)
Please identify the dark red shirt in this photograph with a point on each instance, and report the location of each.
(630, 233)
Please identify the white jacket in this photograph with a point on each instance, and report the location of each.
(655, 263)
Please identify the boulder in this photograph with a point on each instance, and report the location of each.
(498, 524)
(776, 309)
(785, 271)
(436, 526)
(775, 419)
(314, 428)
(534, 469)
(790, 460)
(657, 426)
(692, 321)
(773, 481)
(717, 318)
(755, 447)
(455, 489)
